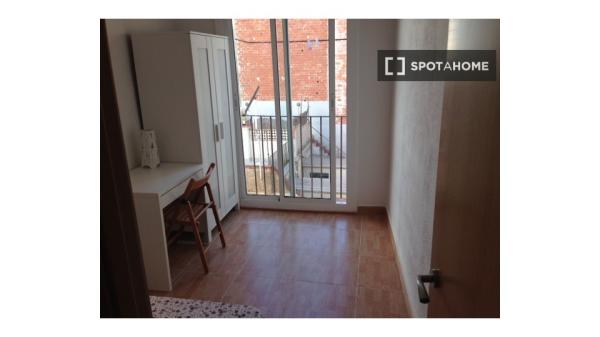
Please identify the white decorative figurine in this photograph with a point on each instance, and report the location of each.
(149, 149)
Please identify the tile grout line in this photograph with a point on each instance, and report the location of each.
(359, 255)
(399, 271)
(360, 234)
(233, 278)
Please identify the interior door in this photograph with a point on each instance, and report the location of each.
(224, 123)
(466, 232)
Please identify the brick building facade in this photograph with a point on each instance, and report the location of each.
(308, 60)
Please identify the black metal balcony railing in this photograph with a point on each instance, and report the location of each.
(309, 170)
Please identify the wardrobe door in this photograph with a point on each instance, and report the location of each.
(222, 84)
(205, 101)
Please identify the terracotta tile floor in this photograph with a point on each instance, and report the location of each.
(296, 264)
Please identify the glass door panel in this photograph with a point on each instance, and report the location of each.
(308, 57)
(293, 114)
(341, 113)
(257, 105)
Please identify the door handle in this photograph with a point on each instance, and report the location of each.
(216, 133)
(432, 277)
(222, 133)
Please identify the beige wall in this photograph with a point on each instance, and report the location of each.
(372, 101)
(415, 133)
(119, 32)
(373, 107)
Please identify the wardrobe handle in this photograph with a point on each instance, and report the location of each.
(216, 132)
(222, 133)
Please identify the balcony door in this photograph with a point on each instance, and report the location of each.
(292, 115)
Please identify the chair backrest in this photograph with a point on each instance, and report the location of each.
(195, 185)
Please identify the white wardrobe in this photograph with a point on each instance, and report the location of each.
(184, 86)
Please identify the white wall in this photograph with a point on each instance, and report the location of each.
(373, 108)
(415, 134)
(119, 42)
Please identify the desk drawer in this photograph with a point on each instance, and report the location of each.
(177, 191)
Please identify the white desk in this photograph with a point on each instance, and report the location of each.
(153, 189)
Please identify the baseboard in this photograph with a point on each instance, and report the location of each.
(280, 209)
(398, 264)
(371, 210)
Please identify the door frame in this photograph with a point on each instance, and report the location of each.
(123, 289)
(291, 203)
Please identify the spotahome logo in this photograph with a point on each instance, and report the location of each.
(436, 65)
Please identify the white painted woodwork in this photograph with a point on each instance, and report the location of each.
(153, 189)
(224, 105)
(184, 84)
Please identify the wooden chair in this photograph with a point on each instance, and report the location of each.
(187, 210)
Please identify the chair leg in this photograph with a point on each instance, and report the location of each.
(200, 246)
(216, 215)
(221, 234)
